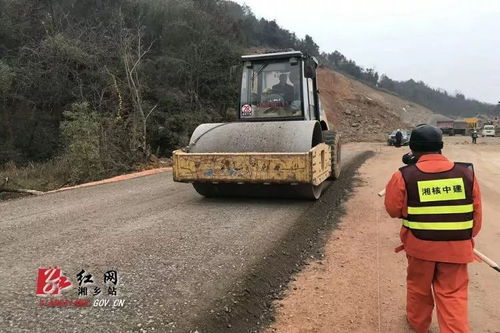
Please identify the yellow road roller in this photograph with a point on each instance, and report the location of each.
(281, 145)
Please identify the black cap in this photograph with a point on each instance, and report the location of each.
(426, 138)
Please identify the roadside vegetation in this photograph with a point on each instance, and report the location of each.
(90, 89)
(94, 88)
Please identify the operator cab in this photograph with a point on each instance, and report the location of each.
(279, 86)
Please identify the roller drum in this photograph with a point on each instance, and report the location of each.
(246, 137)
(269, 137)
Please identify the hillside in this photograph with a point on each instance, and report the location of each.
(365, 113)
(451, 105)
(90, 89)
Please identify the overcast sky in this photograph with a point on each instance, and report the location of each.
(449, 44)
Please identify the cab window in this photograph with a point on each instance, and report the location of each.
(271, 89)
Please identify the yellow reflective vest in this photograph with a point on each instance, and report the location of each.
(440, 205)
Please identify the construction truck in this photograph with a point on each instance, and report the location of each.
(281, 145)
(473, 124)
(446, 126)
(460, 127)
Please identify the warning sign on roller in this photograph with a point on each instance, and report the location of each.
(246, 110)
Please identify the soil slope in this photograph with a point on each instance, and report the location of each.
(363, 113)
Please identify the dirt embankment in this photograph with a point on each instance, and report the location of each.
(362, 113)
(360, 283)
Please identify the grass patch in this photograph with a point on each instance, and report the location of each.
(36, 176)
(57, 173)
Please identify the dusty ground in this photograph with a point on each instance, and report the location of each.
(359, 286)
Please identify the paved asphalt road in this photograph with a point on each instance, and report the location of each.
(177, 254)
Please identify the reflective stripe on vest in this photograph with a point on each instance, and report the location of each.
(439, 225)
(441, 209)
(440, 205)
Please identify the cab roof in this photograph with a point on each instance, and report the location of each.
(275, 55)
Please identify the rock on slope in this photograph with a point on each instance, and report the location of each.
(363, 113)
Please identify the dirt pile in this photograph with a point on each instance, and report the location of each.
(362, 113)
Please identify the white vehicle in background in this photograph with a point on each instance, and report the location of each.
(488, 130)
(405, 139)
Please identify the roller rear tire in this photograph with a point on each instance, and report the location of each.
(332, 139)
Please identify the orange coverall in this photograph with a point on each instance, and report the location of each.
(437, 265)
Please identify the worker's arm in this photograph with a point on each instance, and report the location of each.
(395, 195)
(478, 213)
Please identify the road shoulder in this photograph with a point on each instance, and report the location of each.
(114, 179)
(359, 285)
(248, 304)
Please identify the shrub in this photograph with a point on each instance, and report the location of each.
(80, 131)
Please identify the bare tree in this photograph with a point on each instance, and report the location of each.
(133, 53)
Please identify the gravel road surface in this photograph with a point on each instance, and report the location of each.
(184, 262)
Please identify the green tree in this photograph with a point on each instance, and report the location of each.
(80, 131)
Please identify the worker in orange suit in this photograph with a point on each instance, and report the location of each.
(439, 203)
